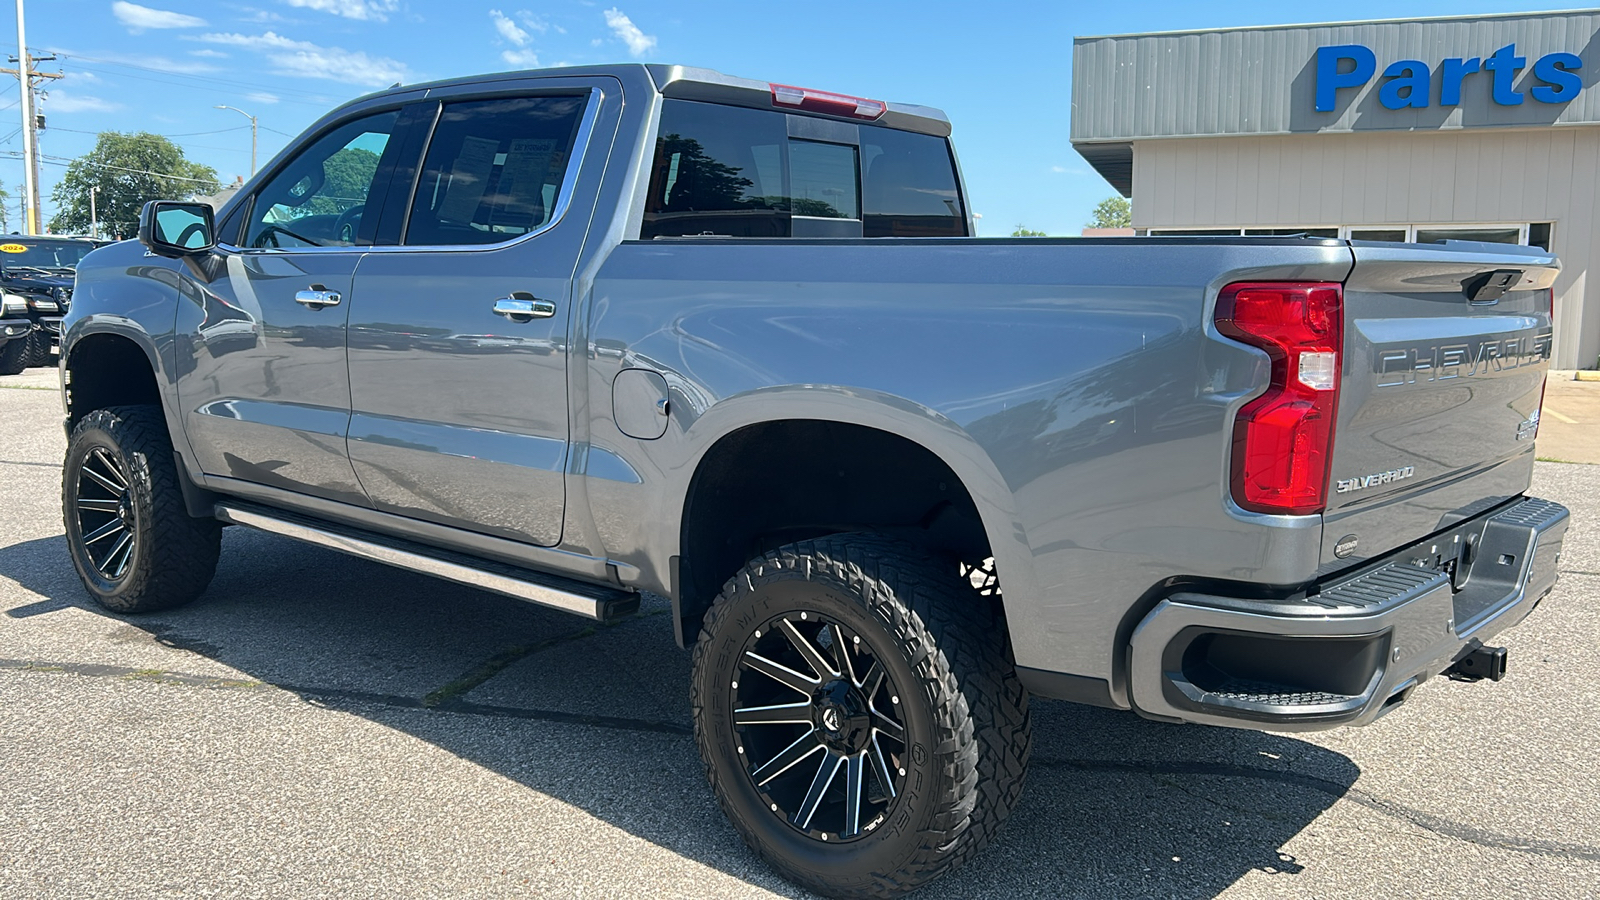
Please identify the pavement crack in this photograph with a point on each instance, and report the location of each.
(498, 663)
(334, 696)
(1424, 820)
(18, 462)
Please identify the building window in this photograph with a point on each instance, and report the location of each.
(1396, 235)
(1489, 234)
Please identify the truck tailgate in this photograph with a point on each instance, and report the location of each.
(1442, 380)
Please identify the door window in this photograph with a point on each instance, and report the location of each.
(494, 170)
(319, 198)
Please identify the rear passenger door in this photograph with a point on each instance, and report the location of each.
(458, 331)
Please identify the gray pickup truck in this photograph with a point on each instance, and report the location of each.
(577, 334)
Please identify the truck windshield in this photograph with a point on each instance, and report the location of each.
(18, 253)
(737, 172)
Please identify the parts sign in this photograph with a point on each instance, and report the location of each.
(1409, 82)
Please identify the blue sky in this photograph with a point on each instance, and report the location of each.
(1000, 70)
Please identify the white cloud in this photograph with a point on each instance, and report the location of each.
(206, 52)
(258, 16)
(522, 59)
(374, 10)
(138, 18)
(261, 97)
(638, 42)
(307, 60)
(508, 29)
(61, 101)
(538, 23)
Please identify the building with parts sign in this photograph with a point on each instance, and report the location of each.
(1480, 128)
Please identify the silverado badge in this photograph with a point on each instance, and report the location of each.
(1362, 482)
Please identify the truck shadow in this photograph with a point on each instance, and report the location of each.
(597, 717)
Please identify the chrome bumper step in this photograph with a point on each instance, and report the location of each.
(590, 601)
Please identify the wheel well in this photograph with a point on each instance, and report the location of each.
(777, 482)
(107, 370)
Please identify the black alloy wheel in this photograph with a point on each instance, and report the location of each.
(104, 510)
(858, 713)
(817, 721)
(132, 540)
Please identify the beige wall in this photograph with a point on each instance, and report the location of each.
(1456, 177)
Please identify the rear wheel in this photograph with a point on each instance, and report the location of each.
(858, 714)
(132, 540)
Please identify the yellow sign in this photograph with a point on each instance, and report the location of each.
(13, 248)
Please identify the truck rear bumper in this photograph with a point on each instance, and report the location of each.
(1355, 646)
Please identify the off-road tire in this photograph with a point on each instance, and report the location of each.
(174, 555)
(965, 713)
(14, 355)
(38, 349)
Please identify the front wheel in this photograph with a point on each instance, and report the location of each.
(858, 715)
(132, 540)
(39, 344)
(14, 355)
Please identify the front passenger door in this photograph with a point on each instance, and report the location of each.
(266, 394)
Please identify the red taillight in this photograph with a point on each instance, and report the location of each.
(1283, 438)
(827, 102)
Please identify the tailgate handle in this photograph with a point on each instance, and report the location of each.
(1482, 290)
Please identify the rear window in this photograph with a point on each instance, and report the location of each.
(729, 171)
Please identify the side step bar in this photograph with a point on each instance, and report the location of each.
(568, 595)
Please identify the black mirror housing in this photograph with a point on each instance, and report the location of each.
(175, 228)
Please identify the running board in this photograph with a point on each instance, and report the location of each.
(568, 595)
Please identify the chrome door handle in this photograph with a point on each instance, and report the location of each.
(317, 297)
(523, 307)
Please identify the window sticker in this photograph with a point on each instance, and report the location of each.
(527, 168)
(469, 177)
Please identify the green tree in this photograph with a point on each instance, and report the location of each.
(348, 175)
(128, 169)
(1024, 231)
(5, 218)
(1113, 212)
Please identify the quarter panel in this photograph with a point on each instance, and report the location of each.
(1074, 386)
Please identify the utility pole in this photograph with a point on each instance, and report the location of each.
(94, 220)
(252, 131)
(26, 75)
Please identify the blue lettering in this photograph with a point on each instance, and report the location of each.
(1408, 83)
(1409, 75)
(1451, 73)
(1329, 79)
(1557, 71)
(1504, 64)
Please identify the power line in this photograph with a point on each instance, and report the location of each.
(63, 161)
(148, 135)
(311, 99)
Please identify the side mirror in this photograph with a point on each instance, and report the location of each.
(173, 228)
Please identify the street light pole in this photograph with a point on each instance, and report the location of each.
(94, 219)
(252, 134)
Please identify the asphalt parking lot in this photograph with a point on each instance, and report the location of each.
(318, 726)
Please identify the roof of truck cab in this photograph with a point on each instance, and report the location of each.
(691, 83)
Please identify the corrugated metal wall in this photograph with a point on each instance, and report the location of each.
(1487, 177)
(1263, 80)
